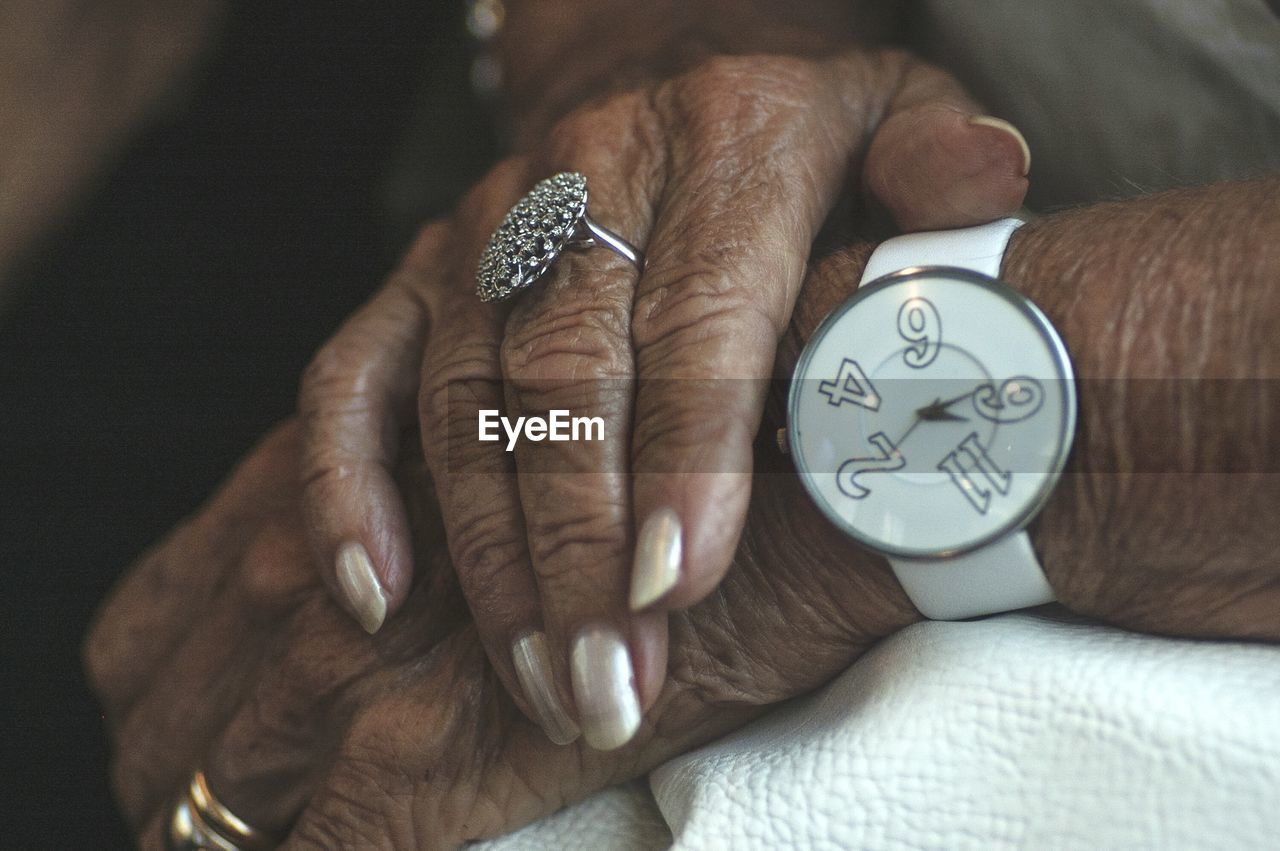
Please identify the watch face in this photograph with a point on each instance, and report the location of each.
(932, 412)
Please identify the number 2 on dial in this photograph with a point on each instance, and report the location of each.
(890, 459)
(920, 325)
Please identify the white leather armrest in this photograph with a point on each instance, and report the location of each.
(1014, 732)
(624, 818)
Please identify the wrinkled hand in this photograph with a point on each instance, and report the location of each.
(222, 649)
(724, 175)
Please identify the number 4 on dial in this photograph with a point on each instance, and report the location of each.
(851, 385)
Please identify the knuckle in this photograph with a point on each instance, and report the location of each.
(571, 134)
(727, 94)
(345, 815)
(561, 542)
(697, 302)
(590, 131)
(344, 377)
(373, 747)
(327, 475)
(275, 568)
(688, 440)
(306, 672)
(452, 390)
(714, 667)
(327, 376)
(566, 342)
(485, 555)
(373, 786)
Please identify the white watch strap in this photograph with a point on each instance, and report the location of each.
(978, 248)
(1004, 575)
(999, 577)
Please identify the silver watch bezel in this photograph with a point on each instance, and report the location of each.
(1047, 331)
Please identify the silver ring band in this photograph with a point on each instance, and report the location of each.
(551, 219)
(600, 235)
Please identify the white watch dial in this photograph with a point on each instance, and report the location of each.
(932, 412)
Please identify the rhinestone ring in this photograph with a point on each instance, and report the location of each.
(551, 218)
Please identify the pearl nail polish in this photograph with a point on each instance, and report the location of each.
(659, 549)
(360, 586)
(532, 658)
(604, 688)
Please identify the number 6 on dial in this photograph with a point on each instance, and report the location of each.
(920, 324)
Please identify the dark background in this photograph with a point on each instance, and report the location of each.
(164, 329)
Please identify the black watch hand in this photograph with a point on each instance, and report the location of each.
(937, 411)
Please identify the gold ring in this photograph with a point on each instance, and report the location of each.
(200, 822)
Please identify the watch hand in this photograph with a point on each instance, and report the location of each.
(937, 411)
(929, 413)
(954, 399)
(907, 433)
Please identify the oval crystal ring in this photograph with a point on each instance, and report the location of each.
(553, 217)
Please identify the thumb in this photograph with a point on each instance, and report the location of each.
(936, 161)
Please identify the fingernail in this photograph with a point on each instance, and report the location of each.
(1001, 124)
(360, 586)
(658, 553)
(604, 688)
(533, 668)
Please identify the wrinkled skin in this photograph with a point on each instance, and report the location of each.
(724, 173)
(222, 648)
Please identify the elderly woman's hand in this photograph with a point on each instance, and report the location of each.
(724, 175)
(222, 649)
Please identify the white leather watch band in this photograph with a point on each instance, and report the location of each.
(1004, 575)
(999, 577)
(979, 249)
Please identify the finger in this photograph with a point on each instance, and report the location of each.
(438, 773)
(191, 696)
(937, 162)
(728, 251)
(265, 762)
(745, 197)
(409, 762)
(476, 484)
(313, 683)
(567, 354)
(150, 611)
(356, 395)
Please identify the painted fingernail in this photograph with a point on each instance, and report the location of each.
(532, 659)
(1001, 124)
(659, 549)
(604, 688)
(360, 586)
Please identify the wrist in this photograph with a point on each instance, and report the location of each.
(1166, 304)
(873, 600)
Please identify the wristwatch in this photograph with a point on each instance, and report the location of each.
(930, 417)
